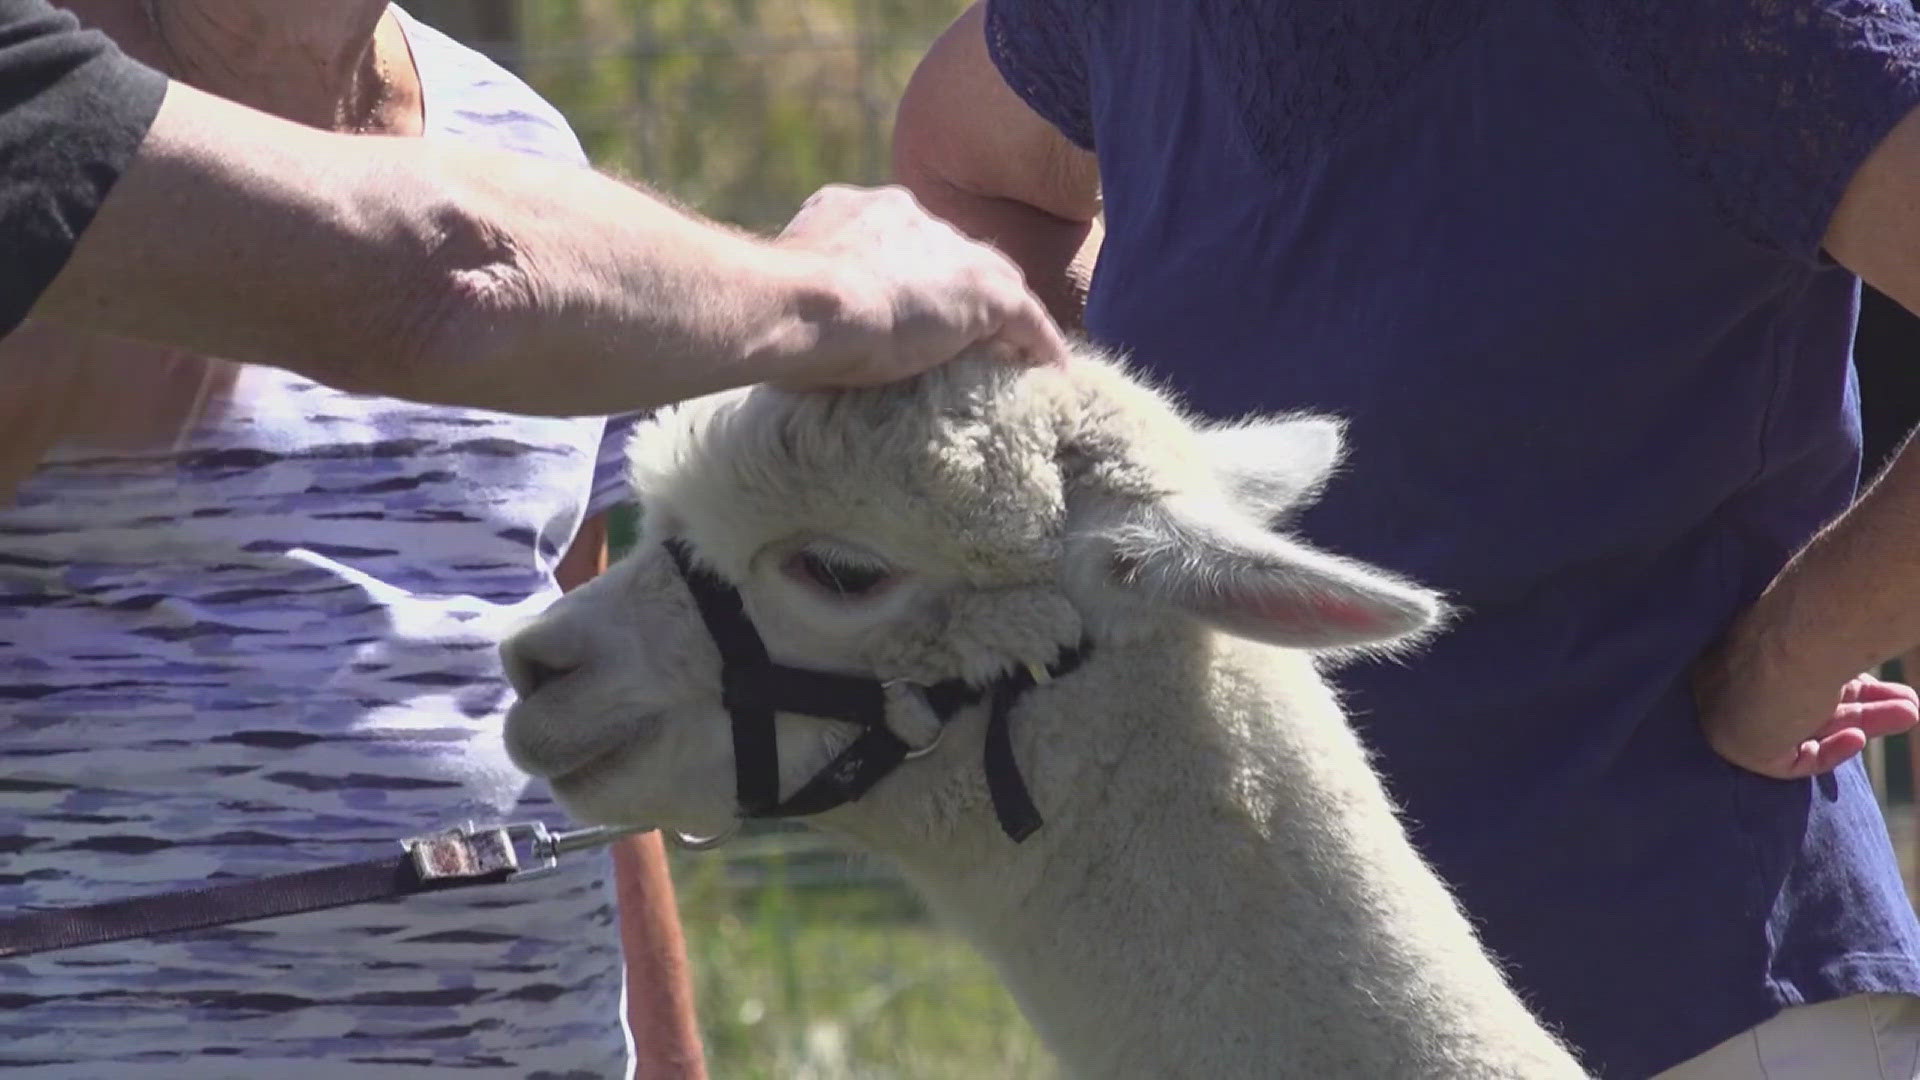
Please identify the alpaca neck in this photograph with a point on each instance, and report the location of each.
(1229, 895)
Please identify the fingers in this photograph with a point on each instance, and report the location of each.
(1875, 707)
(930, 292)
(1032, 336)
(1836, 749)
(1869, 686)
(1812, 757)
(1867, 708)
(1800, 764)
(1804, 763)
(1876, 718)
(829, 208)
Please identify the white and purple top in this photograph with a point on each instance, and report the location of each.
(273, 650)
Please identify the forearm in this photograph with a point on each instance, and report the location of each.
(1850, 600)
(620, 296)
(426, 270)
(1056, 254)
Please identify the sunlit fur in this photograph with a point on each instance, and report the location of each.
(1221, 888)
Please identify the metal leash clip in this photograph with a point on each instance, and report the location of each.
(472, 851)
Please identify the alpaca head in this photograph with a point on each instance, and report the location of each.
(972, 521)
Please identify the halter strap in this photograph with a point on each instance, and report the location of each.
(754, 689)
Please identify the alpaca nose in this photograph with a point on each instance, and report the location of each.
(533, 661)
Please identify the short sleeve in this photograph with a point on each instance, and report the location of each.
(611, 486)
(73, 111)
(1040, 48)
(1772, 103)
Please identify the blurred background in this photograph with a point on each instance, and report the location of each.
(738, 108)
(812, 962)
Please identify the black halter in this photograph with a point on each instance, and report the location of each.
(754, 688)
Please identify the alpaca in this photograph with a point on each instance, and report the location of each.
(1178, 858)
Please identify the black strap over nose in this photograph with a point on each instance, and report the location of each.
(753, 689)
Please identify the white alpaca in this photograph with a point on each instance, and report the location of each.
(1220, 887)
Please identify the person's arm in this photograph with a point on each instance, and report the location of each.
(977, 155)
(427, 270)
(660, 1013)
(1850, 600)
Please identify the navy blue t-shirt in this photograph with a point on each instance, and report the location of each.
(1558, 265)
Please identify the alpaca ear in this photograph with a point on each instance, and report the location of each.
(1274, 468)
(1214, 565)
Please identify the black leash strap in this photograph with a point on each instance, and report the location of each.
(452, 859)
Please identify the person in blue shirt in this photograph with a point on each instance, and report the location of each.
(1581, 277)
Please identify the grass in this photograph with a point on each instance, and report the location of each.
(813, 963)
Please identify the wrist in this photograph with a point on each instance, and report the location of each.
(826, 315)
(1790, 634)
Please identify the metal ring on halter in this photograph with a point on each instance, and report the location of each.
(688, 842)
(917, 694)
(938, 734)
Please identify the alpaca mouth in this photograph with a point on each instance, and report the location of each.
(591, 769)
(538, 745)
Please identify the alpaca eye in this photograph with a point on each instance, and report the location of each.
(847, 580)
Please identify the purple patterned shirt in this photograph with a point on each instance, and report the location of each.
(274, 649)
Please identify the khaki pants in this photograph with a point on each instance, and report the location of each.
(1865, 1037)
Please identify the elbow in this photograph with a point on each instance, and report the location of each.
(917, 159)
(456, 301)
(481, 292)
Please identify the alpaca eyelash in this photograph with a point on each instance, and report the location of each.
(843, 573)
(846, 555)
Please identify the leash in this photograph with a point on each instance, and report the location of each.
(754, 688)
(452, 859)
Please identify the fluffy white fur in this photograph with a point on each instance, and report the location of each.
(1221, 888)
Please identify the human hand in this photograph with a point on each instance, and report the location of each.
(919, 293)
(60, 386)
(1762, 715)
